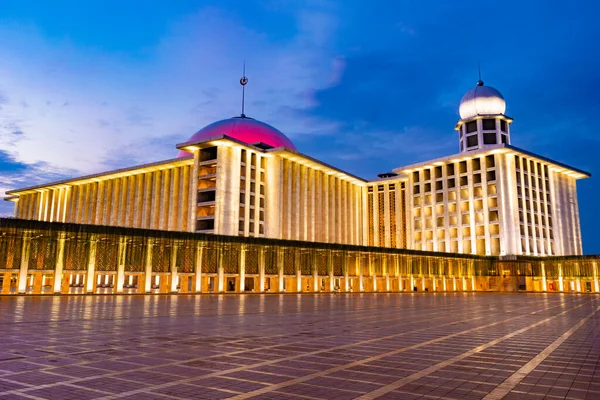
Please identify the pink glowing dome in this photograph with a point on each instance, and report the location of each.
(244, 129)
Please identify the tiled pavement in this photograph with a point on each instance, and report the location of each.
(354, 346)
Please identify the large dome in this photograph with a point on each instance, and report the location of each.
(481, 100)
(245, 130)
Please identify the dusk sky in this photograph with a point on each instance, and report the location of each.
(366, 86)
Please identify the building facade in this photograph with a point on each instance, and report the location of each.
(242, 177)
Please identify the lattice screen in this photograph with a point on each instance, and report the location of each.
(77, 252)
(209, 260)
(252, 260)
(10, 251)
(186, 258)
(161, 258)
(42, 253)
(107, 253)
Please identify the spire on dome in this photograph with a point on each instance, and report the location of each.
(243, 82)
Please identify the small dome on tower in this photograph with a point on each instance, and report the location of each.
(481, 100)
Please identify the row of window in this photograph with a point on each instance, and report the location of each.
(487, 124)
(467, 246)
(451, 182)
(488, 138)
(477, 164)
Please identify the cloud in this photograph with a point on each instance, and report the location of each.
(82, 108)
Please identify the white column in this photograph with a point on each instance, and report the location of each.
(261, 269)
(58, 269)
(330, 271)
(298, 271)
(220, 271)
(173, 265)
(242, 263)
(345, 271)
(280, 269)
(560, 279)
(91, 268)
(148, 267)
(25, 263)
(372, 271)
(596, 283)
(198, 269)
(315, 266)
(121, 266)
(361, 286)
(544, 282)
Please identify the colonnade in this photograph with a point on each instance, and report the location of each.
(41, 257)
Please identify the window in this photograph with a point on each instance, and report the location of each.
(205, 224)
(439, 185)
(490, 138)
(427, 174)
(471, 126)
(462, 167)
(503, 125)
(416, 176)
(489, 124)
(416, 189)
(206, 196)
(451, 183)
(476, 164)
(438, 172)
(472, 141)
(489, 161)
(427, 187)
(450, 169)
(491, 176)
(210, 153)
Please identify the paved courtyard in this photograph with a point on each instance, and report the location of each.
(354, 346)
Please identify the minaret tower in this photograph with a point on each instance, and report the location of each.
(482, 121)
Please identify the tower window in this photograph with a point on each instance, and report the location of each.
(489, 138)
(503, 125)
(471, 126)
(472, 141)
(504, 139)
(450, 169)
(489, 124)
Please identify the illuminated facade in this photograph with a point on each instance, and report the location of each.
(242, 177)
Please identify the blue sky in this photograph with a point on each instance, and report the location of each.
(364, 86)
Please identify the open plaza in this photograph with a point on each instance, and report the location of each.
(321, 346)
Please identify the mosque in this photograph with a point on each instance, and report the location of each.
(240, 177)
